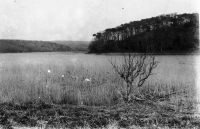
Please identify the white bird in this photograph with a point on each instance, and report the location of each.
(63, 76)
(88, 80)
(49, 71)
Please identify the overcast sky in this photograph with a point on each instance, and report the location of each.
(78, 19)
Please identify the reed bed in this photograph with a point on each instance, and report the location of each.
(67, 85)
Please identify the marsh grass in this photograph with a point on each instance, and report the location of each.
(32, 83)
(22, 84)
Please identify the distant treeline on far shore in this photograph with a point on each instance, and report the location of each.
(15, 46)
(171, 33)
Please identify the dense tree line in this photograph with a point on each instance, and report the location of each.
(161, 34)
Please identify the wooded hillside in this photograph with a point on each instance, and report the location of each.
(12, 46)
(171, 33)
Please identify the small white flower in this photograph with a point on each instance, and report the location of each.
(63, 76)
(49, 71)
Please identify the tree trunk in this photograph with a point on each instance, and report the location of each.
(126, 98)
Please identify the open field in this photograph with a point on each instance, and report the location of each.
(54, 83)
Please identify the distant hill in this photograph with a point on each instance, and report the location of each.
(170, 33)
(12, 46)
(75, 45)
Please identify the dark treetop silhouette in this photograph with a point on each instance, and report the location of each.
(170, 33)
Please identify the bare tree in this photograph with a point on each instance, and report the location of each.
(134, 70)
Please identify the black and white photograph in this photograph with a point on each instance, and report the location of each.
(99, 64)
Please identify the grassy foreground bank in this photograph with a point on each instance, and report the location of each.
(132, 115)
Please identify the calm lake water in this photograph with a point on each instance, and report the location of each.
(171, 68)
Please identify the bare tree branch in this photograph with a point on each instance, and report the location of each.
(134, 70)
